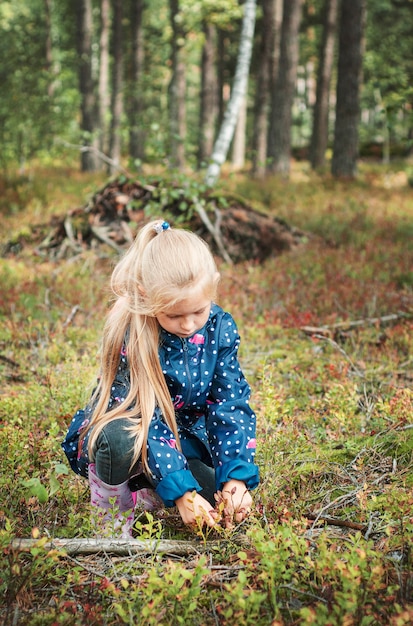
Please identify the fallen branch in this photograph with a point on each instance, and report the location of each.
(333, 521)
(103, 157)
(101, 232)
(335, 502)
(120, 547)
(325, 330)
(71, 316)
(68, 226)
(214, 230)
(343, 352)
(9, 361)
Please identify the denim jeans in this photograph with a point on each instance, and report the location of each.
(113, 456)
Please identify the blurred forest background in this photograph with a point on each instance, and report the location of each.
(149, 83)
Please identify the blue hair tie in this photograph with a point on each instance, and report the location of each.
(161, 227)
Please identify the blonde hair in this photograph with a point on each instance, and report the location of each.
(160, 269)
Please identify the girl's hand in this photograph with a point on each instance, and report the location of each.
(194, 509)
(237, 502)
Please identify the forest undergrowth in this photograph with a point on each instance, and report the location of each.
(327, 347)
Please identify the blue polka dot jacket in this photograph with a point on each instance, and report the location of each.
(211, 398)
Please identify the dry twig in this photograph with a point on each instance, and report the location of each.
(214, 230)
(120, 547)
(333, 521)
(325, 329)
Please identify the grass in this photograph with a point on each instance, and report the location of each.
(330, 539)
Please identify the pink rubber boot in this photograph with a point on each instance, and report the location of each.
(115, 507)
(147, 500)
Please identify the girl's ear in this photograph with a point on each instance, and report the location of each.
(141, 291)
(217, 278)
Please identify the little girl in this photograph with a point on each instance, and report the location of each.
(169, 422)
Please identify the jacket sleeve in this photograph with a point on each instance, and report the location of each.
(169, 468)
(230, 421)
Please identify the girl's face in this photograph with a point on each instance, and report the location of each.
(187, 316)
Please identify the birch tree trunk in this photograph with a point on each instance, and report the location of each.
(117, 88)
(279, 145)
(239, 91)
(319, 136)
(345, 150)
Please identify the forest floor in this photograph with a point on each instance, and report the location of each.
(327, 347)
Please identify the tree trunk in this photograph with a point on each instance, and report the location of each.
(345, 150)
(279, 148)
(136, 133)
(319, 137)
(208, 106)
(49, 54)
(89, 160)
(267, 72)
(51, 64)
(117, 87)
(177, 89)
(239, 90)
(238, 145)
(103, 90)
(222, 76)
